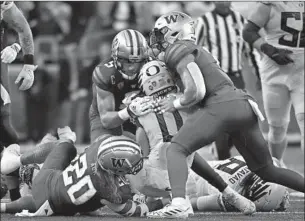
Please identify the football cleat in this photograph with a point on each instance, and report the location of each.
(171, 211)
(241, 203)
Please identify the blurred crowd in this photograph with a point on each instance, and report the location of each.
(75, 37)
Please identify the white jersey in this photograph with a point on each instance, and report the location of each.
(285, 27)
(160, 128)
(233, 170)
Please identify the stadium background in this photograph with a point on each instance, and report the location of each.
(70, 38)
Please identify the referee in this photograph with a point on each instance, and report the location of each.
(220, 32)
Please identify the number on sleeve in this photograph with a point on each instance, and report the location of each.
(298, 36)
(109, 64)
(81, 187)
(231, 166)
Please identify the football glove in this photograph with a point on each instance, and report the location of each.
(279, 55)
(66, 134)
(9, 54)
(139, 106)
(27, 77)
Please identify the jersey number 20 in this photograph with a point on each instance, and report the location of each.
(298, 37)
(81, 189)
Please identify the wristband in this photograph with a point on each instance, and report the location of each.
(16, 47)
(28, 59)
(123, 114)
(177, 103)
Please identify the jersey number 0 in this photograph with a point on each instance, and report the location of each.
(81, 187)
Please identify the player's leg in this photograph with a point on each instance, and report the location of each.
(277, 104)
(297, 97)
(223, 147)
(24, 203)
(200, 129)
(253, 147)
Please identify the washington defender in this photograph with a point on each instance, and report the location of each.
(69, 183)
(113, 80)
(224, 109)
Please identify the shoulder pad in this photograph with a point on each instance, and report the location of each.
(176, 52)
(102, 75)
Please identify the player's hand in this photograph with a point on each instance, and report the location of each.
(129, 97)
(66, 134)
(26, 76)
(9, 54)
(279, 55)
(139, 106)
(163, 105)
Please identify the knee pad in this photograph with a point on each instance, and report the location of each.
(277, 134)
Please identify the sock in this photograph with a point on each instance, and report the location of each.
(203, 169)
(38, 155)
(282, 176)
(209, 203)
(177, 169)
(14, 194)
(24, 203)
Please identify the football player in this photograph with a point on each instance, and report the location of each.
(282, 66)
(12, 17)
(115, 79)
(69, 183)
(155, 133)
(266, 196)
(223, 109)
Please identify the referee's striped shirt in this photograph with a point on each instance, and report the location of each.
(222, 36)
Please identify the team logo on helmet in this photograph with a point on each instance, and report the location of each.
(118, 162)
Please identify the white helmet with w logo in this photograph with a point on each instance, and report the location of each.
(129, 52)
(171, 27)
(120, 155)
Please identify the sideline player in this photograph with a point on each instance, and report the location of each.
(13, 18)
(224, 109)
(69, 183)
(282, 66)
(113, 80)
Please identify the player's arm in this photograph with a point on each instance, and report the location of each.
(106, 107)
(193, 82)
(134, 209)
(24, 203)
(258, 19)
(16, 20)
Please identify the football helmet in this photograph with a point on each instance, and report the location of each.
(266, 196)
(155, 79)
(129, 51)
(120, 155)
(171, 27)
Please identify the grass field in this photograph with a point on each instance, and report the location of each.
(294, 159)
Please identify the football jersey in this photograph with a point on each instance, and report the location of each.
(285, 27)
(108, 78)
(219, 87)
(234, 171)
(83, 184)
